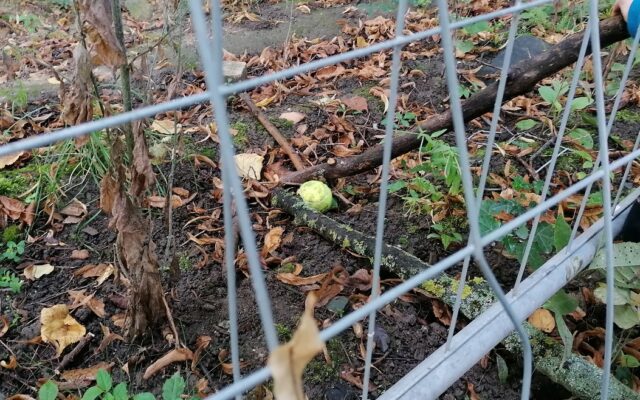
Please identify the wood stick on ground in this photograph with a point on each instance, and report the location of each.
(522, 78)
(576, 374)
(273, 131)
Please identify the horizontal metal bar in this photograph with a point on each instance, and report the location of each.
(441, 369)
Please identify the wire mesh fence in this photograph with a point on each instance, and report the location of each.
(464, 348)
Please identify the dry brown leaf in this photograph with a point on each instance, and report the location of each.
(60, 328)
(143, 176)
(543, 320)
(292, 116)
(33, 272)
(165, 126)
(202, 342)
(100, 271)
(98, 23)
(288, 361)
(5, 325)
(74, 209)
(295, 280)
(11, 207)
(272, 240)
(329, 72)
(9, 159)
(118, 320)
(107, 338)
(108, 190)
(77, 105)
(85, 375)
(79, 254)
(184, 193)
(249, 165)
(80, 299)
(356, 103)
(175, 355)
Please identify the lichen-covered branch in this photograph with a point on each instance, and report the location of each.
(577, 375)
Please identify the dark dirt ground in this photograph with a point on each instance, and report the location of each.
(198, 295)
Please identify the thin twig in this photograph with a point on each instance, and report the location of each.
(273, 131)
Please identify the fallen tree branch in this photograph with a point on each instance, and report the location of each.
(576, 374)
(521, 79)
(273, 131)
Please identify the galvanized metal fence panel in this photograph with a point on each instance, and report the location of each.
(462, 349)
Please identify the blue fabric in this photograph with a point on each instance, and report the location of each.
(633, 18)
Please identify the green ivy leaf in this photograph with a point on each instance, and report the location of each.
(476, 28)
(503, 369)
(625, 316)
(103, 380)
(580, 103)
(561, 303)
(173, 388)
(629, 361)
(464, 46)
(120, 391)
(526, 124)
(583, 137)
(548, 94)
(144, 396)
(48, 391)
(565, 335)
(92, 393)
(561, 233)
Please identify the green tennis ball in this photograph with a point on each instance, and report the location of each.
(316, 195)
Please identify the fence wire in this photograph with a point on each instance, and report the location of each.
(209, 39)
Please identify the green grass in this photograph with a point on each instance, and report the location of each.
(241, 138)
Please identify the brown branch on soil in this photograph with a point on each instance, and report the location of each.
(521, 79)
(273, 131)
(574, 373)
(71, 356)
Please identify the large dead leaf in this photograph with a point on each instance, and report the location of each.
(143, 176)
(33, 272)
(543, 320)
(83, 377)
(98, 23)
(356, 103)
(249, 165)
(288, 361)
(9, 159)
(60, 328)
(11, 207)
(108, 191)
(77, 106)
(292, 116)
(175, 355)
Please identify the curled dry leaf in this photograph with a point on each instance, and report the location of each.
(175, 355)
(543, 320)
(60, 328)
(100, 271)
(74, 209)
(108, 190)
(143, 176)
(103, 44)
(165, 126)
(5, 325)
(33, 272)
(202, 342)
(107, 338)
(12, 364)
(249, 165)
(80, 299)
(272, 240)
(11, 207)
(288, 361)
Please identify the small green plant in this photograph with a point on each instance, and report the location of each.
(284, 332)
(446, 234)
(173, 389)
(10, 280)
(11, 234)
(405, 119)
(13, 251)
(241, 138)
